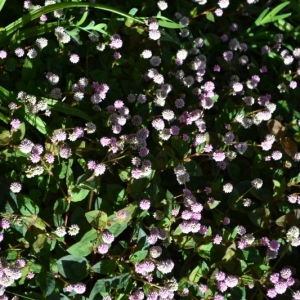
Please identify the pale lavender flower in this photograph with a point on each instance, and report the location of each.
(74, 58)
(219, 155)
(49, 158)
(103, 248)
(145, 204)
(271, 293)
(228, 55)
(79, 288)
(217, 239)
(107, 237)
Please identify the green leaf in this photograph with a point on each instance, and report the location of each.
(46, 282)
(252, 255)
(77, 194)
(73, 267)
(36, 122)
(260, 217)
(230, 252)
(262, 194)
(66, 109)
(100, 286)
(97, 218)
(4, 137)
(28, 70)
(271, 16)
(2, 2)
(238, 293)
(167, 24)
(39, 242)
(193, 168)
(138, 256)
(210, 17)
(35, 14)
(61, 205)
(89, 236)
(83, 18)
(196, 274)
(106, 267)
(81, 248)
(102, 27)
(18, 136)
(180, 146)
(27, 206)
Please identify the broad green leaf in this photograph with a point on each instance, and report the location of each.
(230, 252)
(46, 282)
(77, 194)
(205, 250)
(81, 248)
(39, 242)
(138, 256)
(238, 293)
(89, 236)
(34, 221)
(105, 266)
(196, 274)
(27, 206)
(73, 267)
(61, 205)
(97, 218)
(100, 286)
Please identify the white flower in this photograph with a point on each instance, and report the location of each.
(227, 188)
(16, 187)
(162, 5)
(257, 183)
(60, 231)
(73, 230)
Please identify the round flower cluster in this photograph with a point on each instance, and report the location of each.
(9, 273)
(281, 282)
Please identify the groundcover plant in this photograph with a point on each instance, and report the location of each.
(148, 149)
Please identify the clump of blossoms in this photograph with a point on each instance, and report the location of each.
(9, 273)
(281, 282)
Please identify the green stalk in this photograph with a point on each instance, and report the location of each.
(11, 28)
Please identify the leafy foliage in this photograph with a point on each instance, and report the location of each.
(149, 150)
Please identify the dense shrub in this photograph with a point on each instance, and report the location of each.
(149, 149)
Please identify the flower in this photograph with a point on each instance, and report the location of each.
(257, 183)
(60, 231)
(79, 288)
(145, 204)
(227, 188)
(15, 187)
(103, 248)
(74, 58)
(73, 230)
(107, 237)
